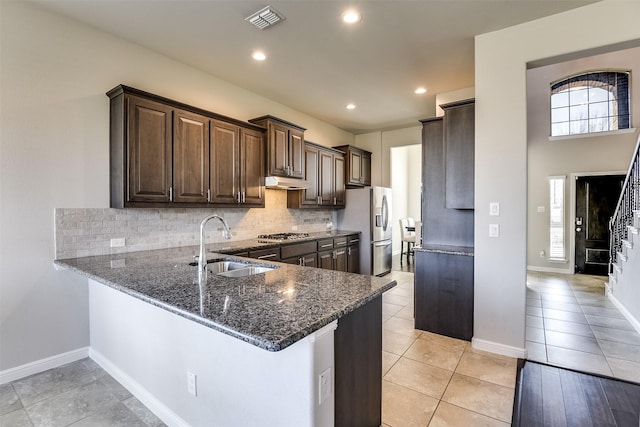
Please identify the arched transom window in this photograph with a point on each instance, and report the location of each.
(591, 102)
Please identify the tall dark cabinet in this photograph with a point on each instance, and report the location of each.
(444, 262)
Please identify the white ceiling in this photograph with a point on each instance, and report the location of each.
(317, 64)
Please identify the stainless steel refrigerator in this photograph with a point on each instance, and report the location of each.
(368, 210)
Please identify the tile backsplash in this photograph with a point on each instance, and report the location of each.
(86, 232)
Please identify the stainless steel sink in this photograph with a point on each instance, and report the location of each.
(235, 268)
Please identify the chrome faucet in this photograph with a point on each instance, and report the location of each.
(202, 258)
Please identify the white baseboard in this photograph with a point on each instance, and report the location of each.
(42, 365)
(567, 270)
(634, 322)
(494, 347)
(161, 410)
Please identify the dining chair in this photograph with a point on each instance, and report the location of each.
(407, 236)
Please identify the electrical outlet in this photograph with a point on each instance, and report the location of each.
(117, 243)
(294, 227)
(494, 230)
(192, 387)
(494, 209)
(324, 385)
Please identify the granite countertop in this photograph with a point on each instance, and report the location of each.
(255, 244)
(445, 249)
(271, 310)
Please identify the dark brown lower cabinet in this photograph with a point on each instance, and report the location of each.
(358, 364)
(444, 293)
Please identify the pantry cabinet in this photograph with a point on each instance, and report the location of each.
(285, 147)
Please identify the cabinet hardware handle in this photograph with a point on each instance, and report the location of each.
(349, 251)
(171, 194)
(334, 255)
(335, 201)
(244, 197)
(238, 197)
(209, 196)
(268, 256)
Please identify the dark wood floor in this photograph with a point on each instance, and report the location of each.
(550, 396)
(405, 266)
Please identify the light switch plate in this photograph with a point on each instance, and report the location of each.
(494, 230)
(494, 208)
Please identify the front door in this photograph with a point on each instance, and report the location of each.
(596, 199)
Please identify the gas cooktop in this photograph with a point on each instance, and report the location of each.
(280, 237)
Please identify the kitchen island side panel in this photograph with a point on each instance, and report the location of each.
(150, 350)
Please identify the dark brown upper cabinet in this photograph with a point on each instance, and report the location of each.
(237, 165)
(324, 171)
(147, 153)
(459, 137)
(285, 147)
(358, 166)
(164, 153)
(190, 157)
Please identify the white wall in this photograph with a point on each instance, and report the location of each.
(604, 153)
(406, 175)
(501, 153)
(54, 153)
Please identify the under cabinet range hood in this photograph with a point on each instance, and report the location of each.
(284, 183)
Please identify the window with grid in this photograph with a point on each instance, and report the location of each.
(590, 102)
(556, 218)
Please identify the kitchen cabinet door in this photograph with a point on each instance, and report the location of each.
(190, 157)
(252, 168)
(325, 178)
(353, 258)
(340, 259)
(358, 166)
(444, 294)
(285, 147)
(459, 155)
(149, 150)
(225, 163)
(325, 259)
(339, 187)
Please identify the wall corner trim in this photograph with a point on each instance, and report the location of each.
(494, 347)
(42, 365)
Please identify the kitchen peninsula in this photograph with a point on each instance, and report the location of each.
(293, 346)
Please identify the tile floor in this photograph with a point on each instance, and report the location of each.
(79, 394)
(570, 323)
(432, 380)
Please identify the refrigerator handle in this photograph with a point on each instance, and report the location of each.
(385, 243)
(385, 213)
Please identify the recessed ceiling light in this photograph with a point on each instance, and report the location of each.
(351, 106)
(259, 55)
(351, 17)
(420, 91)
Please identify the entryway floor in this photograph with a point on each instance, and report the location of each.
(571, 323)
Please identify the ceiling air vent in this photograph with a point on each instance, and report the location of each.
(265, 18)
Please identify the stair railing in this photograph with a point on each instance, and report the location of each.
(628, 202)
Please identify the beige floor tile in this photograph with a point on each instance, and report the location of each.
(390, 309)
(420, 377)
(444, 340)
(402, 407)
(395, 343)
(495, 370)
(448, 415)
(406, 313)
(479, 396)
(440, 353)
(397, 299)
(401, 326)
(388, 360)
